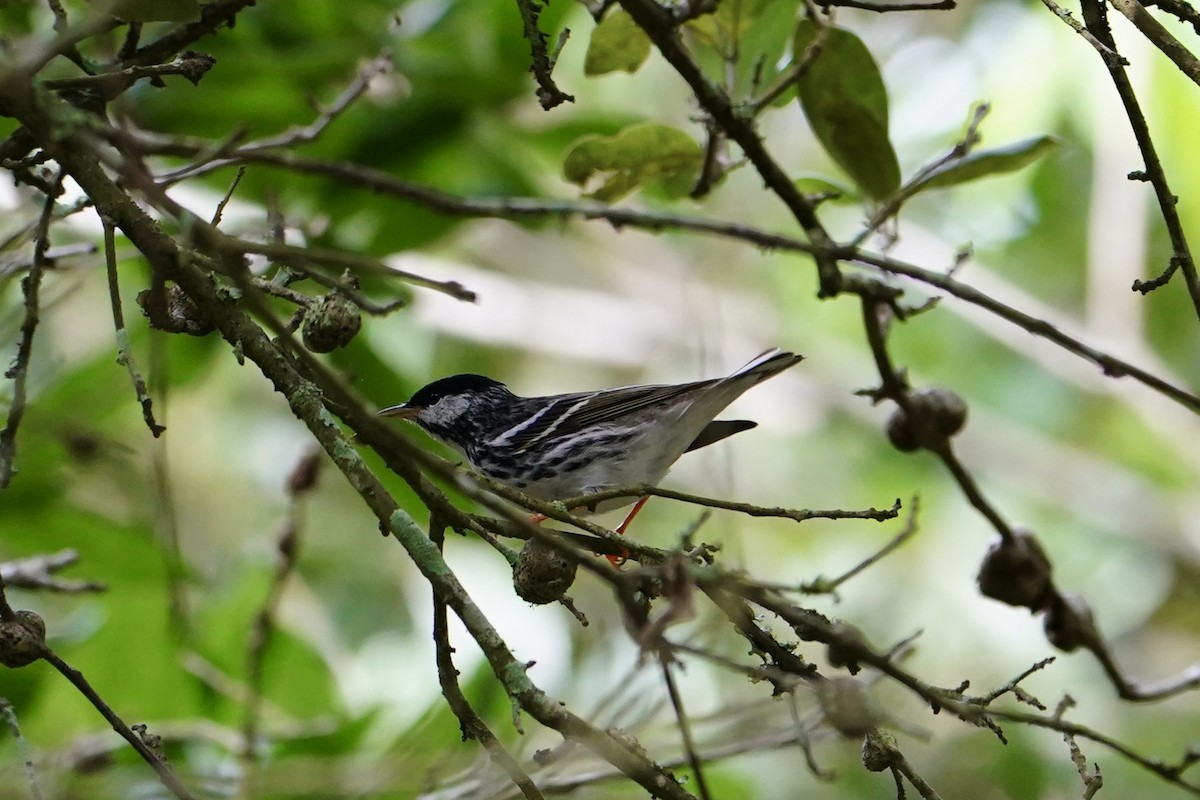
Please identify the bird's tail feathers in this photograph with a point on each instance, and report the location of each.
(767, 364)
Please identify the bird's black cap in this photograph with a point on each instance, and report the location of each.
(447, 387)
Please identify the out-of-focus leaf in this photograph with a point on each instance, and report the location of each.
(294, 676)
(633, 157)
(724, 29)
(617, 44)
(15, 18)
(831, 191)
(157, 10)
(995, 161)
(760, 49)
(845, 101)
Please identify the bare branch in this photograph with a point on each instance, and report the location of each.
(660, 25)
(883, 7)
(19, 370)
(824, 586)
(43, 651)
(124, 349)
(1095, 16)
(1160, 37)
(471, 724)
(37, 573)
(190, 65)
(548, 93)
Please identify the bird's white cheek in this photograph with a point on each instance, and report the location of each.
(445, 412)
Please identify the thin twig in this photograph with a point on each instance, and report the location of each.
(961, 149)
(1092, 781)
(660, 25)
(327, 115)
(38, 55)
(1110, 56)
(894, 386)
(342, 259)
(1095, 17)
(19, 371)
(37, 573)
(548, 93)
(192, 66)
(166, 511)
(795, 514)
(1138, 691)
(220, 210)
(900, 764)
(213, 15)
(1111, 366)
(685, 728)
(124, 349)
(883, 7)
(1160, 37)
(76, 678)
(165, 774)
(1012, 686)
(823, 586)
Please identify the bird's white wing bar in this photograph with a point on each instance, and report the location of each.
(556, 423)
(506, 436)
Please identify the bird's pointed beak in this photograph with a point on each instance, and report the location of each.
(402, 411)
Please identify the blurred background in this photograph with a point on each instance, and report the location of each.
(1104, 471)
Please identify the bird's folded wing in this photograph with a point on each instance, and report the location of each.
(574, 412)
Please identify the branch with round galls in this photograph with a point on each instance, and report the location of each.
(1016, 570)
(330, 323)
(926, 420)
(974, 710)
(541, 573)
(22, 639)
(169, 309)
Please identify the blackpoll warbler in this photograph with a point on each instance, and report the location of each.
(569, 445)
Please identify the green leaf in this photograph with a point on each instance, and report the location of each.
(760, 49)
(723, 29)
(617, 43)
(983, 163)
(844, 99)
(635, 156)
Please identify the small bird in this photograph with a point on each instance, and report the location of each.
(572, 445)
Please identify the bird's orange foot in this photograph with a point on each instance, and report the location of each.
(618, 561)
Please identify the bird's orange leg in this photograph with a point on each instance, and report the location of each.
(618, 560)
(632, 513)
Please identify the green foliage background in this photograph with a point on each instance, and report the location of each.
(1103, 470)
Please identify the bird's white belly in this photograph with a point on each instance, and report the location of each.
(636, 463)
